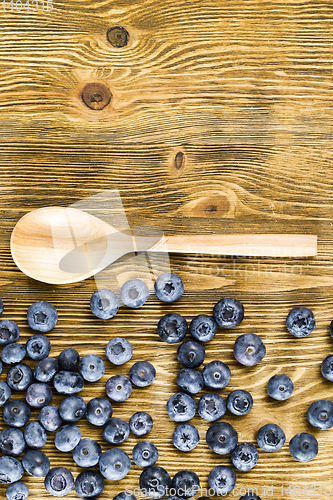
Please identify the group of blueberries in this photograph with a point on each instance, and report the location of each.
(68, 374)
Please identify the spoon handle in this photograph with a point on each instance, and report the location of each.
(252, 245)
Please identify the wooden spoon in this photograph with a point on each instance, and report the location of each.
(65, 245)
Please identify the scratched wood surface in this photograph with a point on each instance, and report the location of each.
(219, 121)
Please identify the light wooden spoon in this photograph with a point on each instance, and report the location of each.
(65, 245)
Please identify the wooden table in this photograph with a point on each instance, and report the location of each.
(219, 121)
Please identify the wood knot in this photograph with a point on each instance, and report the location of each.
(179, 160)
(96, 96)
(117, 36)
(214, 206)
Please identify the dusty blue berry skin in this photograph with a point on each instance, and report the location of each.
(172, 328)
(42, 316)
(222, 479)
(145, 454)
(169, 287)
(141, 423)
(216, 374)
(1, 306)
(280, 387)
(185, 437)
(134, 293)
(72, 408)
(35, 435)
(11, 470)
(67, 382)
(181, 407)
(114, 464)
(118, 351)
(5, 393)
(327, 368)
(191, 353)
(69, 359)
(270, 437)
(99, 411)
(221, 438)
(17, 491)
(211, 407)
(16, 413)
(59, 481)
(87, 452)
(118, 388)
(186, 483)
(249, 349)
(228, 312)
(142, 373)
(250, 496)
(320, 414)
(45, 369)
(19, 377)
(1, 367)
(124, 496)
(13, 353)
(89, 484)
(38, 347)
(203, 328)
(155, 481)
(239, 402)
(9, 332)
(92, 367)
(104, 304)
(67, 437)
(303, 447)
(190, 380)
(38, 395)
(116, 431)
(49, 418)
(300, 321)
(245, 456)
(12, 442)
(36, 463)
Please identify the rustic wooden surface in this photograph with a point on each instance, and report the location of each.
(220, 121)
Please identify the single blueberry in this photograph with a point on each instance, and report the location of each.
(11, 470)
(118, 351)
(36, 463)
(9, 332)
(249, 349)
(124, 496)
(203, 328)
(169, 287)
(5, 393)
(239, 402)
(59, 481)
(1, 306)
(228, 312)
(42, 316)
(211, 407)
(16, 413)
(181, 407)
(185, 437)
(38, 347)
(13, 353)
(35, 435)
(320, 414)
(45, 369)
(89, 484)
(331, 329)
(216, 374)
(17, 491)
(270, 437)
(67, 437)
(191, 353)
(19, 377)
(69, 359)
(172, 328)
(92, 367)
(141, 423)
(222, 479)
(49, 418)
(99, 411)
(327, 368)
(38, 395)
(67, 382)
(116, 431)
(186, 483)
(190, 380)
(142, 373)
(144, 454)
(245, 456)
(300, 321)
(221, 438)
(114, 464)
(104, 304)
(134, 293)
(72, 408)
(280, 387)
(1, 367)
(303, 447)
(250, 495)
(87, 452)
(155, 481)
(118, 388)
(12, 441)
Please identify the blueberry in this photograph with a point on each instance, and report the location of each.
(19, 377)
(228, 312)
(155, 481)
(118, 351)
(89, 484)
(72, 408)
(118, 388)
(104, 304)
(142, 373)
(114, 464)
(134, 293)
(270, 437)
(141, 423)
(186, 483)
(216, 375)
(190, 380)
(249, 349)
(181, 407)
(5, 393)
(280, 387)
(116, 431)
(36, 463)
(67, 437)
(38, 395)
(67, 382)
(320, 414)
(49, 418)
(99, 411)
(172, 328)
(42, 316)
(191, 353)
(239, 402)
(59, 481)
(11, 470)
(169, 287)
(13, 353)
(185, 437)
(303, 447)
(203, 328)
(9, 332)
(17, 491)
(35, 435)
(87, 452)
(69, 359)
(38, 347)
(1, 367)
(250, 495)
(327, 368)
(124, 496)
(144, 454)
(300, 321)
(211, 407)
(1, 306)
(221, 438)
(16, 413)
(12, 442)
(222, 479)
(45, 369)
(245, 456)
(92, 367)
(331, 329)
